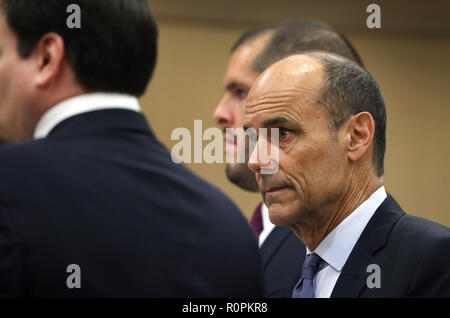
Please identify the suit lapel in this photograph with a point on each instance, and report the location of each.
(352, 280)
(272, 242)
(353, 277)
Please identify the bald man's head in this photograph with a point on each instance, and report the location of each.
(328, 112)
(341, 86)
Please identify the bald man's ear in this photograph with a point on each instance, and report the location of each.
(49, 56)
(361, 130)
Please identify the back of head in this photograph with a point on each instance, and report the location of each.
(298, 36)
(114, 50)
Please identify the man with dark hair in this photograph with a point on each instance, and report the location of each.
(329, 186)
(253, 52)
(294, 36)
(93, 205)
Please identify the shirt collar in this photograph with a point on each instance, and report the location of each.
(82, 104)
(267, 225)
(336, 247)
(265, 216)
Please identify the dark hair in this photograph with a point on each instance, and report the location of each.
(114, 50)
(297, 36)
(349, 89)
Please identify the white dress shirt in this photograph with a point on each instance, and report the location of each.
(82, 104)
(267, 225)
(336, 247)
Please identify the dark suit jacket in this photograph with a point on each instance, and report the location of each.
(101, 192)
(413, 255)
(283, 255)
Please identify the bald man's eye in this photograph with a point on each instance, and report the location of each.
(284, 134)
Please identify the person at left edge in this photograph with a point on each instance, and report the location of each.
(94, 188)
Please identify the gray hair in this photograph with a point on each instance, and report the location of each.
(349, 89)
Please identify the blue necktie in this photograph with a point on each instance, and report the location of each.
(305, 287)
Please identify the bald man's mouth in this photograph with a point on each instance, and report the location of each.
(268, 184)
(274, 190)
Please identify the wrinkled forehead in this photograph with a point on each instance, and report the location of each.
(285, 85)
(292, 73)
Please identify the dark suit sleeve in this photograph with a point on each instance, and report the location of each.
(11, 268)
(432, 277)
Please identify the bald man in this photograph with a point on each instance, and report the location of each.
(329, 187)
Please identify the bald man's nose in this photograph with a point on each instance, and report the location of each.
(223, 116)
(255, 163)
(264, 157)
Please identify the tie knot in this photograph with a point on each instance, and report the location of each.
(311, 266)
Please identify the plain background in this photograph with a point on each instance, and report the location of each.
(409, 58)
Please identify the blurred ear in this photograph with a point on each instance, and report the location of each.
(49, 56)
(361, 130)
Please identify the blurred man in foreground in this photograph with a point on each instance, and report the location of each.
(91, 204)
